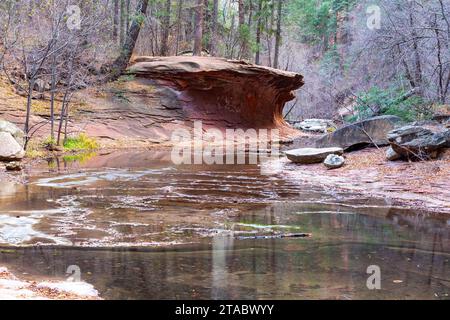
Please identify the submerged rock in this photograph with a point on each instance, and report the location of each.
(417, 142)
(361, 134)
(10, 149)
(311, 155)
(334, 161)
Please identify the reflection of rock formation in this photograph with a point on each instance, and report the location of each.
(219, 273)
(222, 92)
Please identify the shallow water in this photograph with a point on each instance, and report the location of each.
(139, 227)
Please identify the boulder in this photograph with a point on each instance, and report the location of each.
(312, 155)
(447, 138)
(361, 134)
(18, 135)
(416, 142)
(315, 125)
(41, 86)
(10, 150)
(334, 161)
(391, 155)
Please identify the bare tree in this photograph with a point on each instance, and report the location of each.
(198, 29)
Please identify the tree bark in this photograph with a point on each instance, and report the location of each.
(122, 22)
(278, 35)
(180, 9)
(120, 65)
(213, 42)
(198, 29)
(258, 32)
(242, 26)
(166, 26)
(116, 20)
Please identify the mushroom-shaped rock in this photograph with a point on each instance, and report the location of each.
(311, 155)
(224, 93)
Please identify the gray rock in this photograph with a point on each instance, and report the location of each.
(311, 155)
(18, 135)
(10, 150)
(391, 155)
(416, 142)
(447, 138)
(314, 125)
(361, 134)
(41, 85)
(334, 161)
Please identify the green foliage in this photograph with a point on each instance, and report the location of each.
(49, 142)
(80, 157)
(80, 142)
(126, 78)
(388, 101)
(120, 94)
(317, 20)
(330, 63)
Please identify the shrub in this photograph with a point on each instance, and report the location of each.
(390, 101)
(80, 142)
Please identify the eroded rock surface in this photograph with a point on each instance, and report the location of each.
(224, 93)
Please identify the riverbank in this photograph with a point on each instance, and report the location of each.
(422, 185)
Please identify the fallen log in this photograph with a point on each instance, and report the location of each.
(276, 236)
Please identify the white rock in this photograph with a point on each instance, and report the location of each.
(334, 161)
(10, 150)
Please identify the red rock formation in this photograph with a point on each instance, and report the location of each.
(224, 93)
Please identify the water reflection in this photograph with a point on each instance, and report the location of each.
(143, 205)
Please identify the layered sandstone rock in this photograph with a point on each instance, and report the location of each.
(224, 93)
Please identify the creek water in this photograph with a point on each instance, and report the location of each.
(139, 227)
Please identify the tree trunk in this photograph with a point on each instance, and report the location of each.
(206, 24)
(242, 26)
(116, 20)
(198, 29)
(122, 22)
(165, 26)
(28, 115)
(213, 43)
(180, 8)
(128, 14)
(52, 99)
(258, 32)
(278, 35)
(120, 65)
